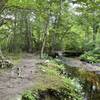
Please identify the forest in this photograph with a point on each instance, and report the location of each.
(49, 49)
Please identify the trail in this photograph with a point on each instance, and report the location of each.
(11, 86)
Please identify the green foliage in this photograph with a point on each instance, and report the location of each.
(52, 69)
(88, 56)
(96, 50)
(28, 96)
(21, 3)
(26, 24)
(92, 56)
(68, 27)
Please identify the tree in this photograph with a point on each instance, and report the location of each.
(2, 4)
(88, 12)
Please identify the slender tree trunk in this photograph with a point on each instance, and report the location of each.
(56, 25)
(28, 37)
(1, 55)
(44, 38)
(54, 36)
(45, 31)
(95, 28)
(86, 39)
(13, 45)
(2, 4)
(94, 34)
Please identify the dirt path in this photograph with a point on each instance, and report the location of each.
(11, 86)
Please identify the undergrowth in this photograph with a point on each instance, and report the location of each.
(91, 56)
(54, 85)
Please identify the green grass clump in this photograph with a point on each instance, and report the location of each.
(29, 95)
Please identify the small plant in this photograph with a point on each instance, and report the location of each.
(28, 96)
(91, 56)
(45, 56)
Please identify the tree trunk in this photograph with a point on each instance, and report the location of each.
(45, 31)
(55, 26)
(95, 28)
(44, 38)
(2, 4)
(28, 37)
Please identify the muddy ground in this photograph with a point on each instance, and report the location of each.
(12, 84)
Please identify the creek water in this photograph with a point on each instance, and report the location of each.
(88, 75)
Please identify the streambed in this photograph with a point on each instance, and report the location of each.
(88, 75)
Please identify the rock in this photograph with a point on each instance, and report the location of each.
(47, 61)
(6, 64)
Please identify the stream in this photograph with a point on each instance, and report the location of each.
(88, 75)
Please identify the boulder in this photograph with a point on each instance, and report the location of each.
(6, 64)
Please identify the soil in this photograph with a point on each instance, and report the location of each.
(13, 85)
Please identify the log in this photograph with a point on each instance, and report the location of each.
(55, 54)
(72, 53)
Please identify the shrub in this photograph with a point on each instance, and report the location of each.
(28, 96)
(91, 56)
